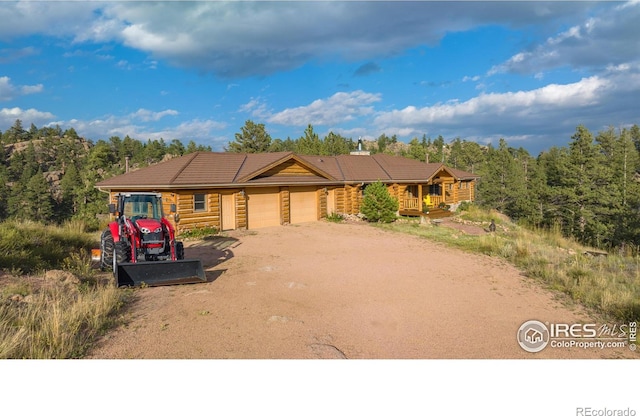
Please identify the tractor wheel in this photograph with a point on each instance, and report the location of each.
(106, 250)
(179, 250)
(120, 254)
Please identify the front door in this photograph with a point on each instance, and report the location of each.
(228, 212)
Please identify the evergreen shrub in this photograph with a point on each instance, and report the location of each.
(378, 205)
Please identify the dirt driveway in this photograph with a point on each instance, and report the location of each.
(324, 290)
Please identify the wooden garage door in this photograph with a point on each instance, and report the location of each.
(263, 207)
(304, 205)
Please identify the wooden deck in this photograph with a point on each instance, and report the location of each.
(434, 213)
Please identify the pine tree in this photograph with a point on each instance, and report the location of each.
(253, 138)
(584, 184)
(155, 151)
(4, 191)
(416, 150)
(278, 145)
(71, 185)
(335, 144)
(525, 199)
(436, 150)
(502, 184)
(37, 195)
(377, 204)
(472, 156)
(619, 189)
(176, 148)
(16, 133)
(383, 141)
(310, 143)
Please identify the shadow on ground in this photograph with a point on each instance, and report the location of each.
(211, 251)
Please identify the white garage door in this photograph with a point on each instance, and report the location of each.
(304, 205)
(263, 207)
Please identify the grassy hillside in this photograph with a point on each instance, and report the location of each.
(52, 304)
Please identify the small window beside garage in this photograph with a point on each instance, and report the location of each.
(199, 202)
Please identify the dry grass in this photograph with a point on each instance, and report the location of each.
(52, 315)
(57, 322)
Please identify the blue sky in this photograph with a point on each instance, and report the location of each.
(529, 72)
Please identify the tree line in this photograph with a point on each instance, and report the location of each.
(589, 189)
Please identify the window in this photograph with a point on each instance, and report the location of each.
(434, 189)
(199, 202)
(411, 191)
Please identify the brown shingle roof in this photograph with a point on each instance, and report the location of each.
(207, 168)
(400, 168)
(258, 162)
(228, 169)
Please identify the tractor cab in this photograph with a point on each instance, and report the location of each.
(142, 206)
(139, 205)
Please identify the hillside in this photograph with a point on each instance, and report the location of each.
(48, 175)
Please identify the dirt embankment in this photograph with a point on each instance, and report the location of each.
(323, 290)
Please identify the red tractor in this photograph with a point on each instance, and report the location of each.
(140, 245)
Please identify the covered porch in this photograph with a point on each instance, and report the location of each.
(434, 197)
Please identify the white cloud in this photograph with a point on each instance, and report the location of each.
(338, 108)
(31, 89)
(237, 39)
(148, 115)
(143, 125)
(611, 38)
(554, 109)
(57, 18)
(6, 89)
(9, 91)
(256, 107)
(8, 116)
(549, 98)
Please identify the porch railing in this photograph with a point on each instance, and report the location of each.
(416, 204)
(412, 203)
(435, 200)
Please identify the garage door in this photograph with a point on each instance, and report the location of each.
(304, 205)
(263, 207)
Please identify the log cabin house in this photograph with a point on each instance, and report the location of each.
(246, 191)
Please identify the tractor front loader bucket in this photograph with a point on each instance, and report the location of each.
(159, 273)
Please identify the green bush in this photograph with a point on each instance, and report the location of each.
(199, 232)
(378, 205)
(464, 206)
(335, 217)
